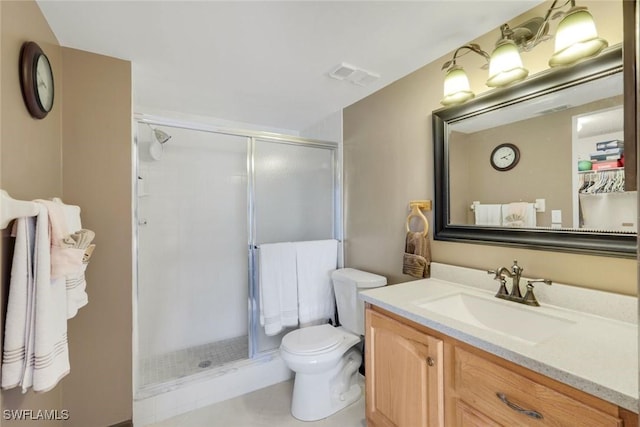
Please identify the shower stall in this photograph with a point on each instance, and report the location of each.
(206, 199)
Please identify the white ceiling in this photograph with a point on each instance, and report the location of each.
(266, 63)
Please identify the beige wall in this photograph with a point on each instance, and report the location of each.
(388, 161)
(31, 156)
(89, 131)
(96, 125)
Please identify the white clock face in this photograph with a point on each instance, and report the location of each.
(44, 80)
(504, 157)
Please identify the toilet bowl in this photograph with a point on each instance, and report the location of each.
(325, 358)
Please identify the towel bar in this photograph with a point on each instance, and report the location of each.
(540, 205)
(11, 209)
(416, 211)
(258, 246)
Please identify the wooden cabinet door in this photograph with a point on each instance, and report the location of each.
(404, 376)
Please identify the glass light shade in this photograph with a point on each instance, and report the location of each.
(505, 66)
(456, 87)
(576, 38)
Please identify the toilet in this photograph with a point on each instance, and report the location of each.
(325, 358)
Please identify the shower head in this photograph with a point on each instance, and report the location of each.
(156, 145)
(161, 136)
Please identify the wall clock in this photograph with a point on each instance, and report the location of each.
(505, 157)
(36, 80)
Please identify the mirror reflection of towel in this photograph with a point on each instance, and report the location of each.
(417, 255)
(488, 214)
(519, 214)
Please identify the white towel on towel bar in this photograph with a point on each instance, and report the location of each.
(18, 327)
(66, 259)
(278, 287)
(51, 351)
(71, 214)
(45, 359)
(488, 214)
(315, 261)
(76, 283)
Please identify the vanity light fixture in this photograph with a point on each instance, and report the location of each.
(456, 86)
(576, 39)
(456, 83)
(505, 65)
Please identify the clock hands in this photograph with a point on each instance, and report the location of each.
(41, 82)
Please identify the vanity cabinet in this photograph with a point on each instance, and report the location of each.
(508, 399)
(404, 378)
(419, 377)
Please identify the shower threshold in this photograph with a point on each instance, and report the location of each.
(158, 372)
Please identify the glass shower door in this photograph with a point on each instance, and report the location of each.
(294, 199)
(192, 286)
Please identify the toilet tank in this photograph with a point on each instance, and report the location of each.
(346, 284)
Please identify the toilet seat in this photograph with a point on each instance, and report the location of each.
(313, 340)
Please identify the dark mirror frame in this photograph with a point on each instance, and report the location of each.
(564, 240)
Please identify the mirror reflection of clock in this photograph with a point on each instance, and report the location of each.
(504, 157)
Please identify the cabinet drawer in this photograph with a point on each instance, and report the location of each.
(478, 383)
(469, 417)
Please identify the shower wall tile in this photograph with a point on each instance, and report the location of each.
(193, 284)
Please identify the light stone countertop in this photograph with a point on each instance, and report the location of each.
(597, 354)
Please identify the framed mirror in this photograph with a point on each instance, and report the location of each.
(540, 164)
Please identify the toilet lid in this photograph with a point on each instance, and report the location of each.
(312, 340)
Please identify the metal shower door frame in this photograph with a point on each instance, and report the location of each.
(254, 311)
(252, 137)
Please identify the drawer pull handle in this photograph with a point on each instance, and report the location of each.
(430, 361)
(527, 412)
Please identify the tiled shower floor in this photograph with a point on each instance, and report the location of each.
(182, 363)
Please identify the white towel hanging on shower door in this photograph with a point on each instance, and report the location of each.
(315, 261)
(278, 287)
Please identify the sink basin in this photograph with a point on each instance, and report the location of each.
(504, 317)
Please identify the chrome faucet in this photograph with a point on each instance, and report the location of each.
(515, 273)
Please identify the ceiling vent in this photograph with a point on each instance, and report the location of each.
(363, 78)
(354, 75)
(343, 71)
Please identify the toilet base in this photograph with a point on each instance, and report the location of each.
(316, 396)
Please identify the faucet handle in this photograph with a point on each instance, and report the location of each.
(502, 291)
(515, 268)
(529, 298)
(545, 281)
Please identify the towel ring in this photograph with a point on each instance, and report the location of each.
(416, 207)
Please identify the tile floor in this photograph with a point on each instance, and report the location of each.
(268, 407)
(182, 363)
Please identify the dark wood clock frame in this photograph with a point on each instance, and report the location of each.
(29, 55)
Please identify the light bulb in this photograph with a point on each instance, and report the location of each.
(576, 38)
(456, 87)
(505, 66)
